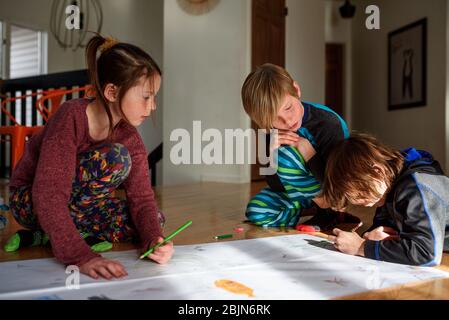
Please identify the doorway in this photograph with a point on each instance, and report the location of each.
(267, 45)
(334, 98)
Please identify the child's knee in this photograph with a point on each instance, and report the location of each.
(249, 214)
(118, 158)
(118, 153)
(110, 163)
(258, 215)
(268, 210)
(21, 208)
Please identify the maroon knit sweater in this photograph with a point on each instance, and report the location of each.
(49, 164)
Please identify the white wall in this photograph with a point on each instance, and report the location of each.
(139, 22)
(36, 14)
(305, 47)
(420, 127)
(135, 21)
(206, 59)
(339, 30)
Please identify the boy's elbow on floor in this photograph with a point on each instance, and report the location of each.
(431, 260)
(425, 258)
(414, 254)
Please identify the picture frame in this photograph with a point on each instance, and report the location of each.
(407, 66)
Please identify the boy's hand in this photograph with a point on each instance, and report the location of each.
(162, 254)
(381, 233)
(305, 148)
(285, 137)
(101, 267)
(348, 242)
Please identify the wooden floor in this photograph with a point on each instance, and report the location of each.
(217, 208)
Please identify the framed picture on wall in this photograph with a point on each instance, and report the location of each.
(407, 66)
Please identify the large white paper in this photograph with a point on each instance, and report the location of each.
(285, 267)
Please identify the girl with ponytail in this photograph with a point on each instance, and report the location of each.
(63, 188)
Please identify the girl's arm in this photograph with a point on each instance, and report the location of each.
(140, 196)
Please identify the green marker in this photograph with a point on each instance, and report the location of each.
(188, 223)
(225, 236)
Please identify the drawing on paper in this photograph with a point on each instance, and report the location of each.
(285, 267)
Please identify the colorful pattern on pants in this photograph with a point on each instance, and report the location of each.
(94, 208)
(283, 209)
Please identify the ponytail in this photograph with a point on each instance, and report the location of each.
(91, 60)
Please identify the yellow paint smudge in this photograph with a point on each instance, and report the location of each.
(234, 287)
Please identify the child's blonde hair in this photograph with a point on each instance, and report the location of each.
(263, 92)
(352, 167)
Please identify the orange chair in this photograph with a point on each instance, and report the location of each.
(18, 133)
(56, 97)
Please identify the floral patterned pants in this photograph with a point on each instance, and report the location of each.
(94, 208)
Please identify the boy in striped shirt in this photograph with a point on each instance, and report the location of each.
(306, 134)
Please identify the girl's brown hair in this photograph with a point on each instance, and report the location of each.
(121, 64)
(352, 167)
